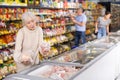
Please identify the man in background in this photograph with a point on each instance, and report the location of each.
(80, 24)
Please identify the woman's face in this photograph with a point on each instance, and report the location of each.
(31, 24)
(108, 16)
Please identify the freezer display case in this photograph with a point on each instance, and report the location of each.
(48, 71)
(115, 36)
(105, 42)
(80, 55)
(87, 52)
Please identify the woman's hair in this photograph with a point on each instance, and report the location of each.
(27, 16)
(107, 12)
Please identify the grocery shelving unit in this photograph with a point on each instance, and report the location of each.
(115, 10)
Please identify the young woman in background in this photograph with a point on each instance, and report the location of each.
(102, 25)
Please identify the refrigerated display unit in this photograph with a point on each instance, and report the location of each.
(48, 71)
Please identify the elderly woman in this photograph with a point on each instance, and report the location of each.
(29, 40)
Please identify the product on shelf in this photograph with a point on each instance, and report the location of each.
(58, 4)
(70, 36)
(54, 51)
(55, 31)
(88, 31)
(7, 69)
(70, 28)
(66, 47)
(56, 39)
(11, 13)
(63, 48)
(14, 2)
(7, 65)
(6, 39)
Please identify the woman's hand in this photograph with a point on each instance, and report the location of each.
(26, 59)
(108, 33)
(96, 30)
(45, 49)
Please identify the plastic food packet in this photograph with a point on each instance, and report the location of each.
(44, 48)
(27, 56)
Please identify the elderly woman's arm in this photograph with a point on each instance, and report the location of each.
(44, 47)
(18, 46)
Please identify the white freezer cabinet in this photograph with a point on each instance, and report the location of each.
(118, 77)
(48, 71)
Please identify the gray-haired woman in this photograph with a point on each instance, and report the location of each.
(28, 41)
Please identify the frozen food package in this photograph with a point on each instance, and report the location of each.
(55, 72)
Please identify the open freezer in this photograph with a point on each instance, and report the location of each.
(48, 71)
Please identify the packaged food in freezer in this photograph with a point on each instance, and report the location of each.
(48, 70)
(80, 55)
(55, 71)
(106, 41)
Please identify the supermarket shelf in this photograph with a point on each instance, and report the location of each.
(90, 26)
(1, 34)
(5, 62)
(69, 24)
(7, 45)
(10, 44)
(38, 7)
(10, 61)
(57, 25)
(90, 9)
(46, 20)
(59, 34)
(94, 15)
(13, 20)
(62, 42)
(50, 19)
(12, 6)
(61, 17)
(91, 21)
(43, 13)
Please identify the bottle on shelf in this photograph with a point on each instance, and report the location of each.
(37, 3)
(30, 2)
